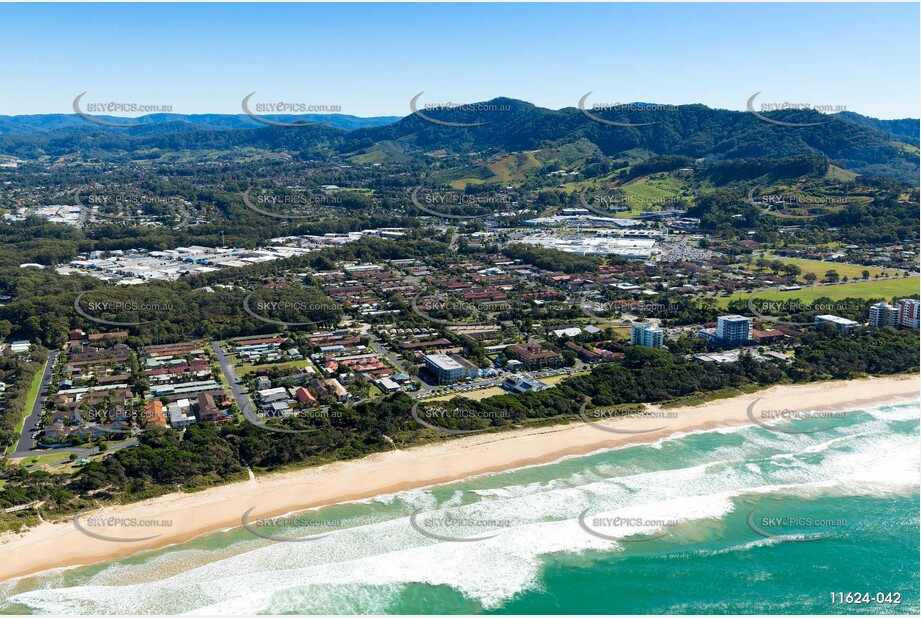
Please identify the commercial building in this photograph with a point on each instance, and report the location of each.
(524, 383)
(843, 325)
(647, 335)
(584, 244)
(445, 368)
(733, 330)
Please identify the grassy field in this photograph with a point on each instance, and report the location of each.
(819, 268)
(838, 173)
(646, 193)
(475, 395)
(30, 401)
(513, 167)
(246, 368)
(46, 459)
(884, 288)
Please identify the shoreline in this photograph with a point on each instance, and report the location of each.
(54, 546)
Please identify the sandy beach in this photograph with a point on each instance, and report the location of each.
(50, 546)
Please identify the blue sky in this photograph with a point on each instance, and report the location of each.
(371, 59)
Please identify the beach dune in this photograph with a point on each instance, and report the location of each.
(175, 518)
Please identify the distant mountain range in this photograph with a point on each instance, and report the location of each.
(859, 143)
(19, 125)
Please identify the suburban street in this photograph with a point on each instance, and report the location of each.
(79, 451)
(26, 445)
(236, 389)
(397, 362)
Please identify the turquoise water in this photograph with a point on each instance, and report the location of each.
(685, 546)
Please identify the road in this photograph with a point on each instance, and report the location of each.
(26, 445)
(236, 389)
(396, 361)
(79, 451)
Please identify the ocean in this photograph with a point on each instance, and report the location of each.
(742, 520)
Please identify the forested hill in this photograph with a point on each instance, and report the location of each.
(864, 145)
(906, 130)
(690, 130)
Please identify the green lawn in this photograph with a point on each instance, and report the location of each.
(246, 368)
(374, 391)
(48, 458)
(884, 288)
(819, 268)
(30, 401)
